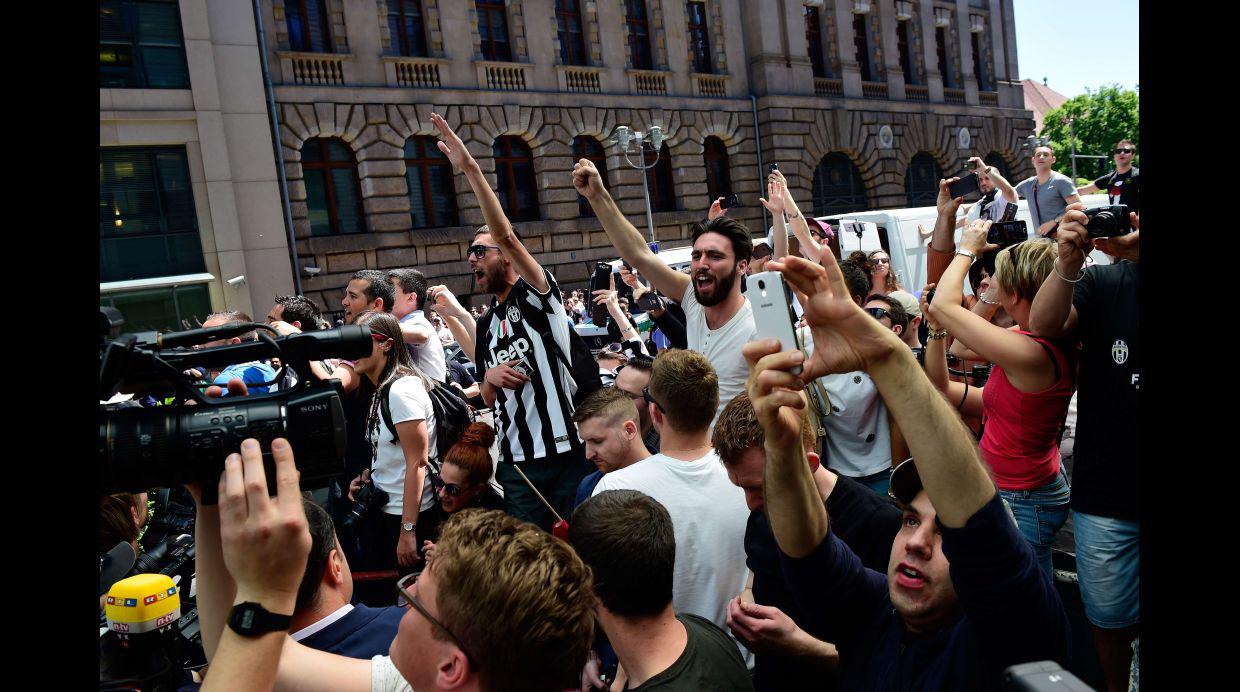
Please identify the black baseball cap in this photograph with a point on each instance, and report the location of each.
(905, 482)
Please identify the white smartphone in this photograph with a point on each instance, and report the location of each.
(772, 311)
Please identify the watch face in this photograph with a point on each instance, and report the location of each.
(407, 526)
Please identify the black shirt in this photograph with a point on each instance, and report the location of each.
(710, 661)
(1122, 188)
(1104, 471)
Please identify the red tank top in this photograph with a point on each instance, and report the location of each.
(1020, 442)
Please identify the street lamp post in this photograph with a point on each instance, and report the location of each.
(654, 137)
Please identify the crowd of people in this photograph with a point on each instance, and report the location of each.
(692, 507)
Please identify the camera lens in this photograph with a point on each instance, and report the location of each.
(762, 285)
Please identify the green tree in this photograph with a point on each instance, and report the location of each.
(1103, 117)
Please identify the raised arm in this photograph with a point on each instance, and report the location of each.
(845, 340)
(1052, 314)
(1089, 189)
(1005, 187)
(966, 399)
(462, 324)
(943, 240)
(811, 249)
(492, 213)
(627, 240)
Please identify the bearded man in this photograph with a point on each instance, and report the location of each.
(719, 319)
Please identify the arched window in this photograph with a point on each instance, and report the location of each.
(639, 34)
(837, 186)
(514, 173)
(407, 26)
(718, 179)
(568, 26)
(921, 180)
(307, 22)
(587, 147)
(432, 194)
(659, 178)
(333, 192)
(996, 160)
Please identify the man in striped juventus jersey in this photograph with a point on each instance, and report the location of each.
(522, 346)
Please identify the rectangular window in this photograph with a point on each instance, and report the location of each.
(406, 27)
(813, 37)
(140, 45)
(164, 309)
(147, 223)
(906, 53)
(699, 38)
(979, 67)
(493, 30)
(861, 42)
(307, 22)
(639, 34)
(568, 24)
(940, 41)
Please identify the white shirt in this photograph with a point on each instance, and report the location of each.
(315, 627)
(994, 212)
(409, 401)
(429, 356)
(385, 678)
(858, 440)
(709, 515)
(722, 346)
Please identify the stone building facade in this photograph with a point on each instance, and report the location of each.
(764, 97)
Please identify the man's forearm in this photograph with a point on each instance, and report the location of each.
(1052, 306)
(415, 334)
(245, 664)
(947, 460)
(942, 247)
(463, 330)
(793, 504)
(820, 654)
(632, 247)
(492, 213)
(214, 585)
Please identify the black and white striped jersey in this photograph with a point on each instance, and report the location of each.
(535, 421)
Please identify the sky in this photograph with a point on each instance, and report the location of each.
(1078, 44)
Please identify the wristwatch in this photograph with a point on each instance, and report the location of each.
(250, 619)
(407, 526)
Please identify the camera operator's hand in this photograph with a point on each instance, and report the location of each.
(716, 210)
(265, 540)
(1072, 241)
(979, 166)
(407, 549)
(236, 387)
(974, 238)
(504, 375)
(1123, 246)
(944, 203)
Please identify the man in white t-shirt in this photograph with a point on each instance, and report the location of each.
(421, 338)
(708, 512)
(718, 317)
(997, 193)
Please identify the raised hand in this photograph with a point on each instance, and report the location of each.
(716, 210)
(775, 190)
(451, 145)
(974, 240)
(944, 203)
(586, 179)
(444, 301)
(1124, 246)
(931, 321)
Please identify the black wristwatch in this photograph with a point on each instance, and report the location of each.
(250, 619)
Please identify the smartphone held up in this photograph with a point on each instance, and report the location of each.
(772, 310)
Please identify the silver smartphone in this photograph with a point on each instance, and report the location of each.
(772, 311)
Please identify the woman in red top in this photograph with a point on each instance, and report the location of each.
(1026, 398)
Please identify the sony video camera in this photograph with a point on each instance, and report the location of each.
(186, 441)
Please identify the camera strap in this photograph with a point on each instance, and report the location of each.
(1035, 202)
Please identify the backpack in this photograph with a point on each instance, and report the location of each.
(452, 415)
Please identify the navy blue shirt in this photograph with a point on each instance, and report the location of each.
(1012, 613)
(363, 632)
(586, 488)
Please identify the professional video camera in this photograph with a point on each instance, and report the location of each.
(165, 446)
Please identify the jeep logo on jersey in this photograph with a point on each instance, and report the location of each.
(514, 313)
(1119, 351)
(516, 349)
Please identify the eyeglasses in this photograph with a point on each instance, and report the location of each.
(480, 251)
(437, 484)
(880, 260)
(403, 586)
(650, 399)
(1125, 151)
(878, 313)
(634, 397)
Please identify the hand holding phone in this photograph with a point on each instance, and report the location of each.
(730, 201)
(1005, 233)
(967, 184)
(772, 311)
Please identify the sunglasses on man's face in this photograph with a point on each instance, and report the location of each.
(878, 313)
(480, 251)
(1125, 151)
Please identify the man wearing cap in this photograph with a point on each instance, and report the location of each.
(962, 598)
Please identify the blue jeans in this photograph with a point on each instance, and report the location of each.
(1040, 513)
(1109, 566)
(878, 482)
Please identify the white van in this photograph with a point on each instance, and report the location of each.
(899, 237)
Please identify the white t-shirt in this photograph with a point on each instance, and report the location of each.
(385, 678)
(858, 431)
(993, 212)
(429, 356)
(708, 516)
(409, 401)
(722, 347)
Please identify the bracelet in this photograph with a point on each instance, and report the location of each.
(1071, 281)
(972, 257)
(932, 334)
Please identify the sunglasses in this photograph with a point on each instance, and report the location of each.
(480, 251)
(437, 484)
(403, 586)
(881, 260)
(380, 337)
(650, 399)
(878, 313)
(1125, 151)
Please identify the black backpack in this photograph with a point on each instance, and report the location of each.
(452, 415)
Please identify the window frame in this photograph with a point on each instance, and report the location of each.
(326, 166)
(660, 179)
(136, 75)
(638, 42)
(304, 16)
(813, 37)
(979, 68)
(861, 46)
(945, 63)
(581, 144)
(487, 45)
(423, 163)
(828, 205)
(718, 169)
(401, 39)
(571, 41)
(698, 36)
(502, 151)
(904, 45)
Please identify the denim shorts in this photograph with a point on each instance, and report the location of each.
(1109, 566)
(1040, 513)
